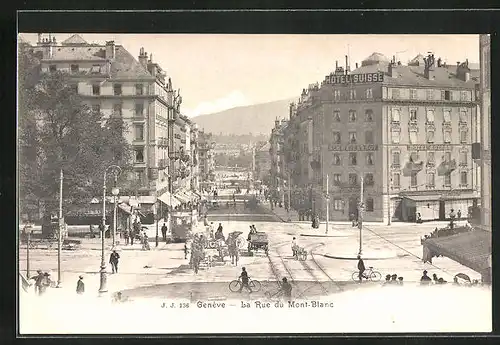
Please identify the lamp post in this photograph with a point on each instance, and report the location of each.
(360, 216)
(115, 170)
(156, 218)
(327, 204)
(115, 191)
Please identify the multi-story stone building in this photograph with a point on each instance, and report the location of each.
(114, 83)
(405, 130)
(485, 106)
(278, 171)
(262, 169)
(206, 159)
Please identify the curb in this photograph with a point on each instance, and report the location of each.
(336, 257)
(322, 235)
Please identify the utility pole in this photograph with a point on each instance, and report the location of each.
(28, 253)
(389, 213)
(327, 204)
(289, 196)
(360, 216)
(59, 236)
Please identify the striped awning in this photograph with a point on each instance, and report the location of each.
(183, 198)
(168, 199)
(125, 208)
(471, 249)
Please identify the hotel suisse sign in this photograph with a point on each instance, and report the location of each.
(356, 78)
(429, 147)
(353, 147)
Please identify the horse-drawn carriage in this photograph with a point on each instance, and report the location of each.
(258, 241)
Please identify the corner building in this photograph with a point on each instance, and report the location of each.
(406, 129)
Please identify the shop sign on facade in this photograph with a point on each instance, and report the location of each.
(355, 78)
(353, 147)
(429, 147)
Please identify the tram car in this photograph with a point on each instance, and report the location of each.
(182, 224)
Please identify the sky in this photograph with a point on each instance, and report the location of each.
(219, 72)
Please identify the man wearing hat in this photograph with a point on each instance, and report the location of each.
(286, 287)
(80, 286)
(113, 260)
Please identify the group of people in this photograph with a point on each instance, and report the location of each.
(393, 279)
(448, 231)
(197, 251)
(42, 282)
(426, 280)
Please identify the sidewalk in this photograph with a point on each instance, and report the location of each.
(281, 213)
(136, 267)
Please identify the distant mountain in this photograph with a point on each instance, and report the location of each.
(255, 119)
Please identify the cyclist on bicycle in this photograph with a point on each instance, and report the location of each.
(244, 280)
(286, 288)
(361, 268)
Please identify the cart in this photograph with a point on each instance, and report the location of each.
(258, 241)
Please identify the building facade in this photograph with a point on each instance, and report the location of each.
(404, 131)
(278, 172)
(262, 169)
(485, 106)
(206, 159)
(114, 83)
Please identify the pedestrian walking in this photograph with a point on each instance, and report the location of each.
(38, 281)
(164, 232)
(294, 247)
(185, 250)
(113, 260)
(126, 235)
(459, 214)
(45, 283)
(80, 286)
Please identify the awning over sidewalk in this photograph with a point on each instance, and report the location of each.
(168, 199)
(182, 197)
(423, 198)
(471, 249)
(466, 195)
(125, 208)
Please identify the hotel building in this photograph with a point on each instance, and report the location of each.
(405, 130)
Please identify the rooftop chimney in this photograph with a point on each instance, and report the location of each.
(110, 50)
(356, 65)
(347, 68)
(336, 64)
(429, 67)
(143, 58)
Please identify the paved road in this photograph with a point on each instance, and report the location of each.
(166, 273)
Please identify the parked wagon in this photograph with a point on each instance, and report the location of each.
(258, 241)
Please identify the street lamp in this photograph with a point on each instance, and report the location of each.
(115, 191)
(115, 170)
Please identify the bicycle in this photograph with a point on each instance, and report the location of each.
(235, 285)
(368, 274)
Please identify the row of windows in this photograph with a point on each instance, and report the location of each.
(117, 89)
(430, 180)
(431, 159)
(353, 116)
(446, 95)
(352, 94)
(353, 179)
(118, 109)
(429, 115)
(353, 158)
(339, 204)
(353, 137)
(429, 136)
(74, 68)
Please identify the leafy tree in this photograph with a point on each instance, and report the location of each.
(57, 130)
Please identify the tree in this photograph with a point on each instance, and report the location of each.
(57, 130)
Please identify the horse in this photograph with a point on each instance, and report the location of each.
(233, 249)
